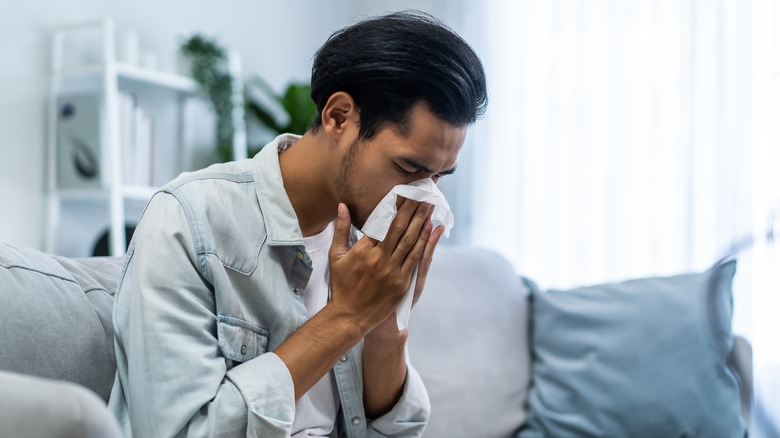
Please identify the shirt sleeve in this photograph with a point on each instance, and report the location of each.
(409, 415)
(172, 379)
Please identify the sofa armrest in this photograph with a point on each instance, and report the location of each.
(36, 407)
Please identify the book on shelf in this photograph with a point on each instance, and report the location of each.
(127, 104)
(137, 142)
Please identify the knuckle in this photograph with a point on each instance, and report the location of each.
(374, 259)
(409, 240)
(397, 227)
(415, 254)
(397, 284)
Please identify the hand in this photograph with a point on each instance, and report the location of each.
(369, 280)
(388, 331)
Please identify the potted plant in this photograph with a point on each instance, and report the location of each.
(267, 114)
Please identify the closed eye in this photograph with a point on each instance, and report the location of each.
(423, 168)
(404, 171)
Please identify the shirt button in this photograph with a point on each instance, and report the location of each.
(356, 421)
(300, 255)
(296, 291)
(243, 350)
(344, 358)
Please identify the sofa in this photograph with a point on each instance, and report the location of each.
(472, 338)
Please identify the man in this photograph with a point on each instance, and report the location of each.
(247, 307)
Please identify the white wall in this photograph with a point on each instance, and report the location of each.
(275, 39)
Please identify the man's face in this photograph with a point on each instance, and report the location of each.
(370, 169)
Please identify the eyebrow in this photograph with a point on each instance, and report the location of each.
(419, 166)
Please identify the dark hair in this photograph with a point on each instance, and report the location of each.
(390, 63)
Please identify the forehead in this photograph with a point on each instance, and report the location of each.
(428, 139)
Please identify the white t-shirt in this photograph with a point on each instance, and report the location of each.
(315, 411)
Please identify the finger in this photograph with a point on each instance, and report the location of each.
(425, 262)
(412, 236)
(416, 253)
(398, 225)
(340, 245)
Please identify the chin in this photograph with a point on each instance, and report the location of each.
(358, 219)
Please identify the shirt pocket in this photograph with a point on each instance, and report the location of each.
(240, 340)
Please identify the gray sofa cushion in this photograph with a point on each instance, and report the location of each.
(55, 316)
(641, 358)
(468, 338)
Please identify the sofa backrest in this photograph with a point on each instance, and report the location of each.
(468, 332)
(468, 339)
(55, 317)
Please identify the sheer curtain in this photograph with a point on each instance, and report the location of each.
(630, 138)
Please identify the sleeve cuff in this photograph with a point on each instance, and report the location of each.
(268, 389)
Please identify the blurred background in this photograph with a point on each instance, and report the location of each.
(623, 138)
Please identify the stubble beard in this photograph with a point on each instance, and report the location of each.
(348, 193)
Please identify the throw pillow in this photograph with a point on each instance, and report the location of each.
(641, 358)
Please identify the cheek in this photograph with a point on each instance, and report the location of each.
(374, 182)
(370, 182)
(371, 196)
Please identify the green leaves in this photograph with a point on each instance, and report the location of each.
(209, 68)
(291, 112)
(297, 101)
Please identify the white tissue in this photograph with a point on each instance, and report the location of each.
(377, 224)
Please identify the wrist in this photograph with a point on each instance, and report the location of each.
(389, 343)
(351, 328)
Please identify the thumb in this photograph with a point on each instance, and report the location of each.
(340, 245)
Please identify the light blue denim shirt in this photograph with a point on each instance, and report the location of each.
(213, 284)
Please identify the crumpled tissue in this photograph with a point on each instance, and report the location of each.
(378, 223)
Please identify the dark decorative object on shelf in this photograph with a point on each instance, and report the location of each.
(101, 247)
(78, 142)
(84, 160)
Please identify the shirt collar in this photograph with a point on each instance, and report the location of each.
(281, 223)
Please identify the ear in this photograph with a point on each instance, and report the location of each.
(340, 116)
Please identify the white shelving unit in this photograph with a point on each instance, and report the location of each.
(105, 80)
